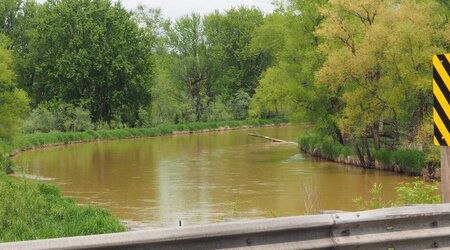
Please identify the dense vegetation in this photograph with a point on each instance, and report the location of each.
(358, 71)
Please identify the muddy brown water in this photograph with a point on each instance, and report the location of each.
(203, 178)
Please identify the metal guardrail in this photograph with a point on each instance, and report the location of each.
(414, 227)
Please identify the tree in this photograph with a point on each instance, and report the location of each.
(170, 102)
(287, 88)
(189, 62)
(153, 23)
(208, 58)
(377, 62)
(13, 101)
(92, 54)
(17, 22)
(235, 65)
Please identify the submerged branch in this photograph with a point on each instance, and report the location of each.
(271, 139)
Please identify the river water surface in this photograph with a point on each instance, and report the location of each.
(203, 178)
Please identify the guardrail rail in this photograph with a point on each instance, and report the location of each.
(413, 227)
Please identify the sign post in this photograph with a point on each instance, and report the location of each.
(445, 174)
(441, 117)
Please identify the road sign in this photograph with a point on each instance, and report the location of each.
(441, 106)
(441, 117)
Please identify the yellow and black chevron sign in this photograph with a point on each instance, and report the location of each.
(441, 106)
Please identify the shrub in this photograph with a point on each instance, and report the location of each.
(81, 120)
(65, 117)
(116, 123)
(417, 192)
(101, 125)
(218, 111)
(375, 201)
(144, 118)
(40, 120)
(410, 158)
(239, 104)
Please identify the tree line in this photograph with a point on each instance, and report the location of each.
(92, 63)
(359, 71)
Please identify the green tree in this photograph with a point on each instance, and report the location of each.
(17, 22)
(13, 101)
(188, 61)
(170, 103)
(378, 55)
(92, 54)
(287, 88)
(235, 65)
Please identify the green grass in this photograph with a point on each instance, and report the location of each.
(405, 158)
(39, 139)
(31, 210)
(324, 146)
(6, 164)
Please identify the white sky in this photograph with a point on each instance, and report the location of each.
(177, 8)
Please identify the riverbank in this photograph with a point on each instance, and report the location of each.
(52, 139)
(407, 161)
(30, 210)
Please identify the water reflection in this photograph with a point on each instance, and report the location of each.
(203, 178)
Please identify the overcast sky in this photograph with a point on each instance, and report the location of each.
(177, 8)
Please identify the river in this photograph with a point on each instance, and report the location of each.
(203, 178)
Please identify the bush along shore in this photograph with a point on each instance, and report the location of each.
(403, 160)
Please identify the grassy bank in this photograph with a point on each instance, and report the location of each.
(36, 140)
(410, 161)
(31, 210)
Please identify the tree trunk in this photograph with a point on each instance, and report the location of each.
(198, 109)
(370, 162)
(376, 137)
(359, 154)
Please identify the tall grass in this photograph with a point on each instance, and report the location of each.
(405, 158)
(30, 210)
(324, 146)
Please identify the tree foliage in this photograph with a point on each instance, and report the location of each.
(189, 59)
(235, 66)
(13, 101)
(358, 70)
(91, 54)
(378, 55)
